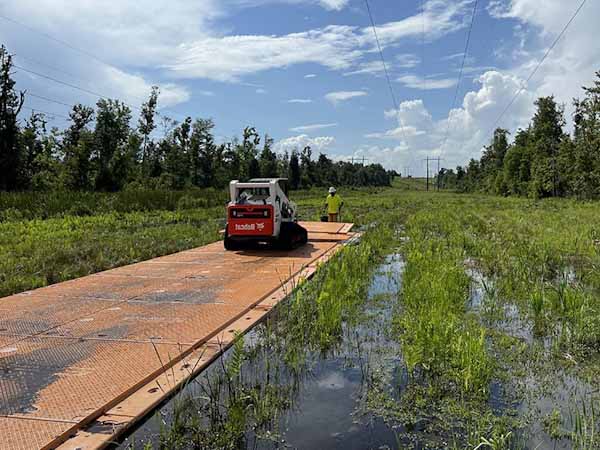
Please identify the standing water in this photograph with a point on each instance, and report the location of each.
(324, 405)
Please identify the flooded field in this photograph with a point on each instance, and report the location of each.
(326, 406)
(465, 327)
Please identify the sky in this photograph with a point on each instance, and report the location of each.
(308, 72)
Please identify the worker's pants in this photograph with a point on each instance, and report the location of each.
(333, 217)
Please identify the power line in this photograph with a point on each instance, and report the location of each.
(41, 97)
(46, 112)
(387, 75)
(52, 38)
(47, 66)
(88, 91)
(424, 81)
(79, 50)
(64, 83)
(72, 86)
(460, 74)
(531, 75)
(58, 102)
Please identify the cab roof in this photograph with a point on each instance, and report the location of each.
(265, 180)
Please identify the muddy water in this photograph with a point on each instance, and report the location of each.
(327, 414)
(326, 409)
(547, 386)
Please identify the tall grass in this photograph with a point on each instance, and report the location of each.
(35, 253)
(438, 339)
(15, 206)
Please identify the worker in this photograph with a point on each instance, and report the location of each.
(334, 204)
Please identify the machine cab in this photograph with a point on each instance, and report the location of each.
(257, 207)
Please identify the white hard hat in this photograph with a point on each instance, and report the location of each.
(332, 190)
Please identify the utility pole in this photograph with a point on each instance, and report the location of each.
(428, 160)
(358, 160)
(438, 175)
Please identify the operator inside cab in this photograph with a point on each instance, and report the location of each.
(334, 204)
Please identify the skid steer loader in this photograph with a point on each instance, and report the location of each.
(259, 213)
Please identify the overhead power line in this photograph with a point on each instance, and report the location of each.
(460, 74)
(52, 38)
(532, 74)
(45, 112)
(424, 81)
(64, 83)
(41, 97)
(72, 86)
(387, 75)
(47, 66)
(79, 50)
(88, 91)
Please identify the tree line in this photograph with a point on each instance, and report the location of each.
(543, 160)
(105, 149)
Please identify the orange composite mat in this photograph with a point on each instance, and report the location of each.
(71, 351)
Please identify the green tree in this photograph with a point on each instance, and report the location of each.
(203, 154)
(47, 165)
(283, 164)
(11, 103)
(294, 174)
(325, 172)
(472, 176)
(146, 123)
(268, 159)
(31, 146)
(111, 135)
(77, 148)
(492, 161)
(517, 164)
(247, 152)
(547, 136)
(306, 168)
(460, 178)
(177, 156)
(585, 178)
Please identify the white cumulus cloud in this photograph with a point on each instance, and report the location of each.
(317, 144)
(419, 135)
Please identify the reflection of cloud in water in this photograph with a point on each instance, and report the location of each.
(333, 381)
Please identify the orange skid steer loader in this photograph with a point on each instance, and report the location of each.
(260, 213)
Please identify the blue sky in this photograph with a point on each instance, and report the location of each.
(307, 71)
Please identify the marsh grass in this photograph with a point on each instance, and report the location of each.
(18, 206)
(538, 262)
(438, 338)
(35, 253)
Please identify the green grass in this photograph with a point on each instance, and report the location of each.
(16, 206)
(36, 253)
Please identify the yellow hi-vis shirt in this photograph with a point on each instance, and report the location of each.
(333, 203)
